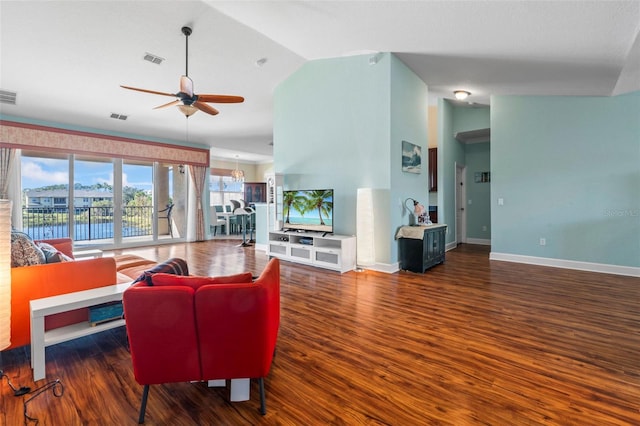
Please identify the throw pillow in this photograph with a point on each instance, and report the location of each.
(24, 251)
(52, 254)
(174, 266)
(196, 282)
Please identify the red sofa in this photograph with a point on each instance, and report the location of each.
(189, 328)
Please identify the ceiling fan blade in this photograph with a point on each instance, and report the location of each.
(186, 85)
(205, 108)
(220, 99)
(148, 91)
(172, 103)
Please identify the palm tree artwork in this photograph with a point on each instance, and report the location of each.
(308, 210)
(321, 201)
(293, 200)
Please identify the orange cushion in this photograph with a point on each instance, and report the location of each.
(196, 282)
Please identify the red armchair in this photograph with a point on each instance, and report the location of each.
(188, 328)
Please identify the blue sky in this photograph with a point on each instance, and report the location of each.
(38, 172)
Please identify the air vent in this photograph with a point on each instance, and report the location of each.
(7, 97)
(153, 58)
(118, 116)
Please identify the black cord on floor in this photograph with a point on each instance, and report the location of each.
(22, 390)
(56, 387)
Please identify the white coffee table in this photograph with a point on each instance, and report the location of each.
(40, 308)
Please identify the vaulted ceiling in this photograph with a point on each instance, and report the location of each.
(66, 60)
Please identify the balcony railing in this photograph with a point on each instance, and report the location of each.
(90, 223)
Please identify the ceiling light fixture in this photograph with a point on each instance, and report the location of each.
(187, 110)
(237, 175)
(461, 95)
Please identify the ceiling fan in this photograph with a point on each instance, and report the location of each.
(188, 102)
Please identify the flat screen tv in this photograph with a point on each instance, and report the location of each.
(308, 210)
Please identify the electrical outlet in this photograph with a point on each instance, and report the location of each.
(501, 201)
(484, 227)
(543, 241)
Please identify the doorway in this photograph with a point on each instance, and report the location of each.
(461, 213)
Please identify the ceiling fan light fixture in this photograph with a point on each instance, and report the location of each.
(187, 110)
(191, 102)
(461, 95)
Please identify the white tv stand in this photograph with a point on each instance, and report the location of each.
(337, 252)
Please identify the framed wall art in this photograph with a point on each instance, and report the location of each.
(411, 157)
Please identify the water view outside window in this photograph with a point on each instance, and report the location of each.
(93, 206)
(137, 199)
(86, 210)
(45, 186)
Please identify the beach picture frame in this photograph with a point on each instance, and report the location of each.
(411, 157)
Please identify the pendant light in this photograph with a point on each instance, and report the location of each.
(237, 175)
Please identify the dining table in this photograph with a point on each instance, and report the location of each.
(226, 216)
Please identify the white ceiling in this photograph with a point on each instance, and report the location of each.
(66, 59)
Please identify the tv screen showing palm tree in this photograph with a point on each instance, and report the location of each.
(308, 210)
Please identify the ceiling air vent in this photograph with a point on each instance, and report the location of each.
(153, 58)
(7, 97)
(118, 116)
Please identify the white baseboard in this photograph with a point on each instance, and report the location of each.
(567, 264)
(261, 247)
(450, 246)
(480, 241)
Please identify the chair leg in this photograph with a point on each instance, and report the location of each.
(263, 403)
(143, 405)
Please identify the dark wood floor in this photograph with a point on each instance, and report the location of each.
(470, 342)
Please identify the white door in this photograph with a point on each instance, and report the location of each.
(461, 213)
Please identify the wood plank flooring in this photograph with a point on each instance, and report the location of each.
(470, 342)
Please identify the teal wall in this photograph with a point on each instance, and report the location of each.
(568, 170)
(409, 115)
(450, 153)
(339, 123)
(470, 118)
(478, 159)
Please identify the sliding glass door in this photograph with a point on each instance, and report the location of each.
(112, 202)
(92, 200)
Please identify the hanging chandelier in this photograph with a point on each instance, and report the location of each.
(237, 175)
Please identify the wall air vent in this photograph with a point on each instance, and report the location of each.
(7, 97)
(119, 116)
(153, 58)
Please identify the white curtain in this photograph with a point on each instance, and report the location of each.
(198, 176)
